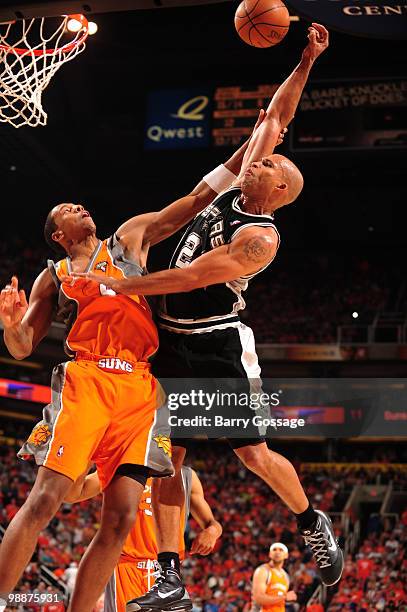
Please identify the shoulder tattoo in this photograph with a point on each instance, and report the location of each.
(258, 249)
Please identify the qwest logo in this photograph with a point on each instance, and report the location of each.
(177, 119)
(114, 363)
(191, 109)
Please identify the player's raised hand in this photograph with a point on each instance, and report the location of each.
(13, 304)
(318, 41)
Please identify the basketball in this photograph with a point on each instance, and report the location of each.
(262, 23)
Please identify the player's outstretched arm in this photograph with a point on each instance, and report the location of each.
(25, 324)
(283, 105)
(251, 250)
(205, 541)
(259, 587)
(157, 226)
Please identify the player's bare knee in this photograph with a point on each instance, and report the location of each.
(254, 457)
(42, 505)
(117, 522)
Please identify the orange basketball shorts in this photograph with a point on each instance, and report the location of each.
(130, 580)
(103, 410)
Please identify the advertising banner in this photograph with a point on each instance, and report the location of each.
(371, 18)
(177, 119)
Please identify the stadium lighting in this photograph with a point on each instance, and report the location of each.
(355, 314)
(92, 28)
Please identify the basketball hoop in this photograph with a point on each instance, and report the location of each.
(31, 52)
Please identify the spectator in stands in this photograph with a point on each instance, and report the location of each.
(69, 576)
(251, 521)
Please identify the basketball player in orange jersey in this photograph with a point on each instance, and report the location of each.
(134, 573)
(226, 245)
(271, 582)
(105, 400)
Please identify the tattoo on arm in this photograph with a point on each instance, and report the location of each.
(257, 249)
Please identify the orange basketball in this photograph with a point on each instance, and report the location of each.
(262, 23)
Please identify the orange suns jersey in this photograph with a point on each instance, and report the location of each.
(277, 584)
(141, 542)
(98, 320)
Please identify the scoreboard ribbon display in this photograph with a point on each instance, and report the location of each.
(368, 114)
(332, 115)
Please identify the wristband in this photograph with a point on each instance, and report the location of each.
(219, 179)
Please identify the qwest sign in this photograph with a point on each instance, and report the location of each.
(177, 119)
(372, 18)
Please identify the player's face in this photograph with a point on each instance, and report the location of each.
(262, 178)
(277, 555)
(74, 221)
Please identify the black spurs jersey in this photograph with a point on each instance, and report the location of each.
(216, 306)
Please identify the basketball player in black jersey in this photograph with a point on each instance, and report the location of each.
(226, 245)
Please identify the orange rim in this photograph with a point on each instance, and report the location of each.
(39, 52)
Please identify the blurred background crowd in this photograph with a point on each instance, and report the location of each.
(376, 564)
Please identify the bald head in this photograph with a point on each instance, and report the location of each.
(292, 177)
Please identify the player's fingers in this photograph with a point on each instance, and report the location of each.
(2, 301)
(8, 301)
(196, 549)
(69, 280)
(14, 283)
(319, 27)
(23, 299)
(322, 32)
(8, 293)
(97, 278)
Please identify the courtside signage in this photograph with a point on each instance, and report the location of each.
(372, 18)
(178, 119)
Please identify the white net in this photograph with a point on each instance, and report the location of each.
(31, 52)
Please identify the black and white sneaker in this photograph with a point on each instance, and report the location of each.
(328, 556)
(167, 594)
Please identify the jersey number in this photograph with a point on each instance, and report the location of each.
(187, 252)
